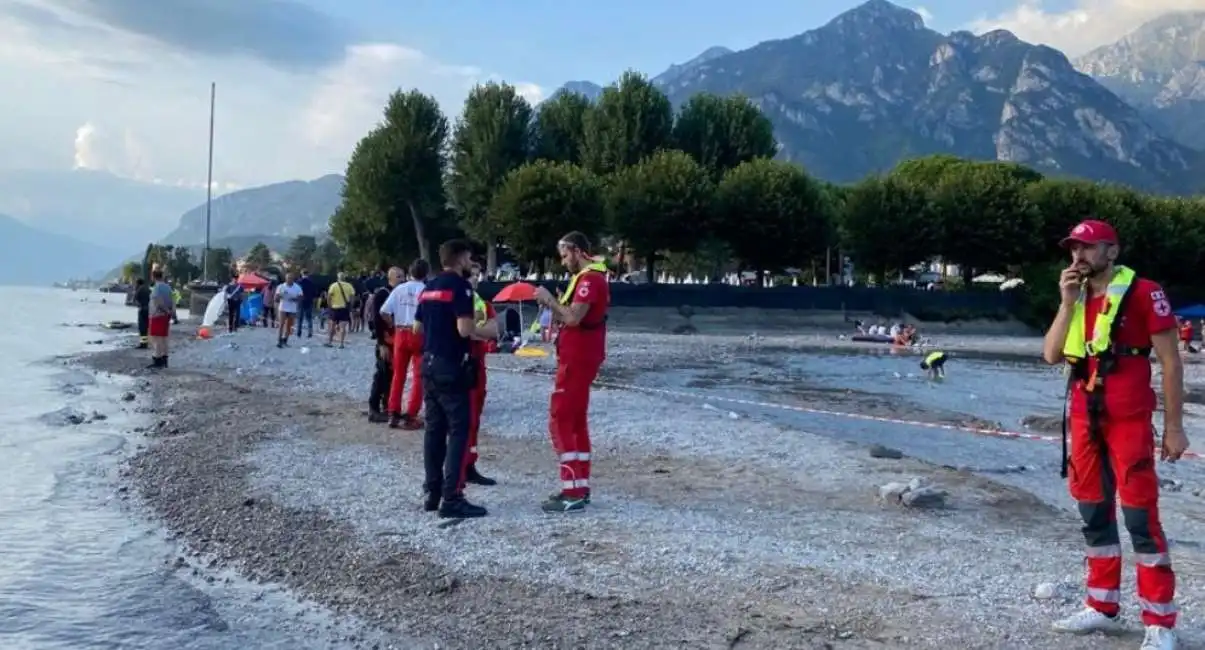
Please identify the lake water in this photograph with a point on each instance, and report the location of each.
(79, 569)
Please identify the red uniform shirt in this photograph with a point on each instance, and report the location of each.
(478, 349)
(587, 341)
(1128, 391)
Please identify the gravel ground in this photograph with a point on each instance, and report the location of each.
(710, 528)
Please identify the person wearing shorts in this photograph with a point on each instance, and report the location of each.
(160, 322)
(289, 297)
(340, 296)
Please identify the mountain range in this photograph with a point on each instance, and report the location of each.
(850, 98)
(874, 86)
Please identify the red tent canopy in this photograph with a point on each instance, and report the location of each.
(252, 281)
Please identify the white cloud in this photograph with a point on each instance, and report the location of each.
(925, 15)
(1088, 24)
(102, 98)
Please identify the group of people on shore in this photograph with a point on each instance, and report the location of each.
(434, 331)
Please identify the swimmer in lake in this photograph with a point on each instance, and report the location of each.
(935, 364)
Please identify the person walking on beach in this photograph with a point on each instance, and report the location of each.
(289, 297)
(339, 296)
(159, 322)
(382, 331)
(399, 310)
(581, 345)
(445, 318)
(486, 318)
(142, 298)
(1107, 324)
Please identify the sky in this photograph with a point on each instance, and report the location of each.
(123, 85)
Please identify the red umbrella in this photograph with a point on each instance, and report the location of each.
(252, 281)
(517, 292)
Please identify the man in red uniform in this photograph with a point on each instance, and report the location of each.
(398, 312)
(581, 348)
(1108, 323)
(485, 317)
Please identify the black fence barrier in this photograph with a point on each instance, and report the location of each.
(890, 301)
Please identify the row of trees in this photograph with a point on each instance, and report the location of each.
(702, 184)
(304, 252)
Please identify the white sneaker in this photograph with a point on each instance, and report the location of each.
(1088, 620)
(1158, 638)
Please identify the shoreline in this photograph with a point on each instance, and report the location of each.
(703, 533)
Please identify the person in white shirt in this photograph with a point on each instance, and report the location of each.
(398, 311)
(288, 300)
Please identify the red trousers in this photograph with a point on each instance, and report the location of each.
(1120, 464)
(407, 358)
(476, 406)
(567, 423)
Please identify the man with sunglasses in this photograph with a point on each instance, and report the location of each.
(581, 347)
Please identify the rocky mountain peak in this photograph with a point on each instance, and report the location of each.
(678, 70)
(879, 15)
(1160, 69)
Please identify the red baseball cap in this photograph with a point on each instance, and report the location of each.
(1090, 231)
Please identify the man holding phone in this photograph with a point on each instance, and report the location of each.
(1108, 323)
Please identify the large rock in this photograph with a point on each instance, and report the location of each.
(916, 493)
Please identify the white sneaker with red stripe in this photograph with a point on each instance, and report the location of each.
(1087, 621)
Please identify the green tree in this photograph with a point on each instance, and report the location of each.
(771, 214)
(301, 252)
(394, 183)
(328, 259)
(259, 257)
(539, 202)
(180, 266)
(1061, 203)
(492, 138)
(985, 218)
(886, 226)
(131, 271)
(661, 204)
(631, 120)
(559, 130)
(221, 264)
(723, 132)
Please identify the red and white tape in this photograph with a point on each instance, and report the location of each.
(706, 399)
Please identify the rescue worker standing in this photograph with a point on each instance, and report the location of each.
(445, 319)
(398, 311)
(1108, 322)
(581, 347)
(485, 317)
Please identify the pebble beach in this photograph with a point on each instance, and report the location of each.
(711, 526)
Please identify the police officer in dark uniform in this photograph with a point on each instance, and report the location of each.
(446, 319)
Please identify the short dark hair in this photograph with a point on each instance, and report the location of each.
(139, 282)
(577, 240)
(419, 269)
(157, 274)
(452, 249)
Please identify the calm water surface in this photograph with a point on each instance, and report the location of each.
(77, 569)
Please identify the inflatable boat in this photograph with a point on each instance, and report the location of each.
(872, 338)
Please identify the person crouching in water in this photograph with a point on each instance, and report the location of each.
(935, 364)
(486, 319)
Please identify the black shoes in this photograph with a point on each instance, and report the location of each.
(377, 417)
(471, 475)
(158, 362)
(460, 509)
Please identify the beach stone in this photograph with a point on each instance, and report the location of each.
(1044, 591)
(881, 451)
(892, 492)
(925, 497)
